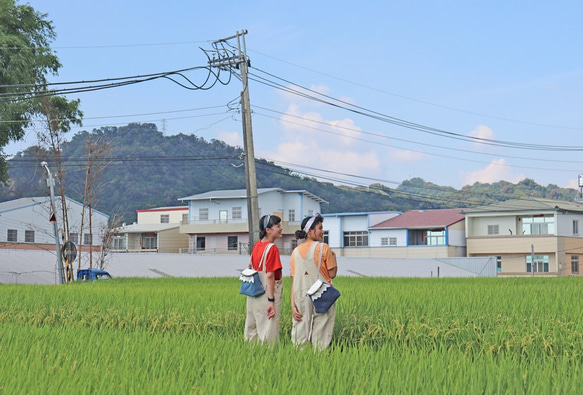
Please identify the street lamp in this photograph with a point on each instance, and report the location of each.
(56, 227)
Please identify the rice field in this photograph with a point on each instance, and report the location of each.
(146, 336)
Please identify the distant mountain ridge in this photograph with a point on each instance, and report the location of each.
(146, 169)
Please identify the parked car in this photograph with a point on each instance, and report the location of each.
(92, 274)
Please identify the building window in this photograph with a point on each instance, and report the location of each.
(118, 243)
(237, 213)
(493, 230)
(164, 218)
(294, 244)
(575, 227)
(184, 218)
(326, 237)
(74, 237)
(355, 239)
(29, 236)
(392, 241)
(149, 241)
(541, 263)
(498, 264)
(291, 214)
(87, 239)
(232, 243)
(12, 235)
(203, 214)
(200, 243)
(538, 225)
(574, 264)
(436, 237)
(384, 241)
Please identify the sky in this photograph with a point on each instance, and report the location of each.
(454, 92)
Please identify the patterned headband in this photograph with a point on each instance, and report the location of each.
(310, 222)
(266, 221)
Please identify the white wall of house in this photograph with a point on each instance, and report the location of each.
(32, 218)
(376, 236)
(154, 216)
(478, 226)
(564, 224)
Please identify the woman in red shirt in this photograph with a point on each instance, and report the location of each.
(264, 311)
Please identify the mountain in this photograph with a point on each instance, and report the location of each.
(141, 168)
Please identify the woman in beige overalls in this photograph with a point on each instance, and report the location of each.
(264, 311)
(309, 326)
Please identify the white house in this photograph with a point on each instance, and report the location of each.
(348, 233)
(157, 230)
(25, 224)
(217, 220)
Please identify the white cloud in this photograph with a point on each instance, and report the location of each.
(482, 132)
(234, 139)
(496, 171)
(398, 155)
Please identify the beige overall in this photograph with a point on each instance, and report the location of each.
(259, 328)
(314, 327)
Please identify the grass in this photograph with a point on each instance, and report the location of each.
(483, 335)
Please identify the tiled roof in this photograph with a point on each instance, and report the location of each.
(423, 219)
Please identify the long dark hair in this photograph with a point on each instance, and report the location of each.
(265, 222)
(302, 234)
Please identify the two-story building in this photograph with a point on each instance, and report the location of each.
(528, 234)
(157, 230)
(217, 220)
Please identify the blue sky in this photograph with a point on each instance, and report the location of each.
(508, 71)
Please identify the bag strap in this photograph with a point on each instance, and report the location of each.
(264, 257)
(320, 258)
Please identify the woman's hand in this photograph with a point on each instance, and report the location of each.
(296, 314)
(270, 310)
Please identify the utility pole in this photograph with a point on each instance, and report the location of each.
(55, 225)
(239, 60)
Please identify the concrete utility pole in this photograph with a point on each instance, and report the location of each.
(55, 225)
(240, 60)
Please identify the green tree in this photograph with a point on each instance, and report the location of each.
(25, 61)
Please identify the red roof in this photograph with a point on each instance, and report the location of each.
(423, 219)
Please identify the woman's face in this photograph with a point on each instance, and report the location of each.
(275, 232)
(317, 234)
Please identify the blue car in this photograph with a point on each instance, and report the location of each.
(92, 274)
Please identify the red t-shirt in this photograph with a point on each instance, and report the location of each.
(272, 261)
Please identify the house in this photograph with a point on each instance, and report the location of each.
(157, 230)
(420, 234)
(217, 220)
(348, 233)
(527, 234)
(25, 224)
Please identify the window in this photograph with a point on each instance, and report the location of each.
(12, 235)
(118, 243)
(326, 237)
(392, 241)
(575, 227)
(291, 215)
(574, 264)
(294, 244)
(498, 264)
(436, 237)
(541, 263)
(200, 244)
(149, 241)
(184, 218)
(223, 216)
(384, 241)
(203, 214)
(355, 239)
(74, 237)
(493, 230)
(87, 239)
(538, 225)
(237, 212)
(232, 243)
(164, 218)
(29, 236)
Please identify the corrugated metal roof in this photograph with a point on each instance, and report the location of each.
(531, 204)
(145, 228)
(423, 219)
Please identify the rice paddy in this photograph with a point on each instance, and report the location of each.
(480, 335)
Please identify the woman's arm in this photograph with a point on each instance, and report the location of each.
(270, 294)
(295, 312)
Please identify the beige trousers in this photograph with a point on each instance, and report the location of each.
(259, 328)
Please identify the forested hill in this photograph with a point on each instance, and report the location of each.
(142, 168)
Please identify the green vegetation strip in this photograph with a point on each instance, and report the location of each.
(483, 335)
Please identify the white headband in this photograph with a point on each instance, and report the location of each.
(310, 222)
(266, 221)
